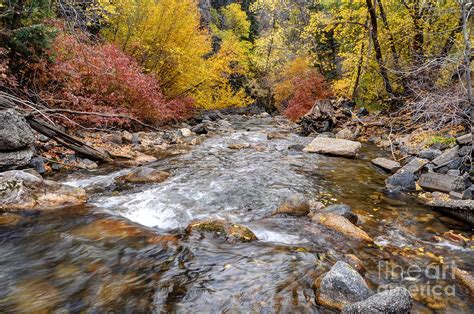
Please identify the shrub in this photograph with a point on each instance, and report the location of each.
(87, 77)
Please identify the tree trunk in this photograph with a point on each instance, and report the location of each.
(378, 50)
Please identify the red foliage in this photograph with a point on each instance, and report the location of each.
(101, 78)
(306, 90)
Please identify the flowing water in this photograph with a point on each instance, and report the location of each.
(126, 250)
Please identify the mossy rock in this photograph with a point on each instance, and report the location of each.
(222, 229)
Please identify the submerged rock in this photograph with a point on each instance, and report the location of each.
(296, 205)
(387, 164)
(341, 286)
(339, 209)
(342, 226)
(21, 190)
(355, 262)
(332, 146)
(395, 301)
(222, 229)
(273, 135)
(465, 279)
(144, 175)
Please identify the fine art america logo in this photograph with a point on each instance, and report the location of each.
(429, 281)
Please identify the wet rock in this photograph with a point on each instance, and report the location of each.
(297, 147)
(396, 301)
(238, 146)
(462, 209)
(355, 262)
(9, 219)
(88, 164)
(185, 132)
(343, 226)
(387, 164)
(345, 134)
(465, 279)
(20, 190)
(336, 147)
(341, 210)
(446, 156)
(15, 159)
(429, 153)
(342, 286)
(222, 229)
(34, 296)
(144, 175)
(443, 183)
(276, 135)
(296, 205)
(140, 160)
(464, 139)
(38, 164)
(401, 181)
(15, 133)
(465, 195)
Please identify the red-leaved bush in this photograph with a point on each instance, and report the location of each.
(307, 90)
(101, 78)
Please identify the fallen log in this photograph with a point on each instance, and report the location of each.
(68, 141)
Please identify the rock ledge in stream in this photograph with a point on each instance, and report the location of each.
(222, 229)
(333, 146)
(21, 190)
(396, 301)
(343, 226)
(144, 175)
(342, 286)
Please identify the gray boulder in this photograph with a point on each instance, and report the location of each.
(446, 156)
(443, 182)
(464, 139)
(395, 301)
(387, 164)
(414, 165)
(342, 286)
(15, 159)
(15, 133)
(332, 146)
(401, 181)
(429, 153)
(297, 205)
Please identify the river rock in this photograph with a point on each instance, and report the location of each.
(238, 146)
(414, 165)
(341, 210)
(465, 279)
(345, 134)
(199, 129)
(395, 301)
(429, 153)
(387, 164)
(401, 181)
(21, 190)
(296, 205)
(276, 135)
(355, 262)
(332, 146)
(442, 182)
(15, 159)
(462, 209)
(343, 226)
(464, 139)
(446, 156)
(127, 137)
(38, 164)
(144, 175)
(15, 133)
(222, 229)
(342, 286)
(185, 132)
(465, 151)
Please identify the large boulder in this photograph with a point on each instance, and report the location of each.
(15, 159)
(341, 286)
(15, 133)
(462, 209)
(342, 226)
(443, 182)
(20, 190)
(447, 156)
(144, 175)
(221, 229)
(333, 146)
(296, 205)
(395, 301)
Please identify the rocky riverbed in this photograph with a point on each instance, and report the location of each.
(232, 215)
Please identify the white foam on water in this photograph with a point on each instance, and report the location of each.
(277, 237)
